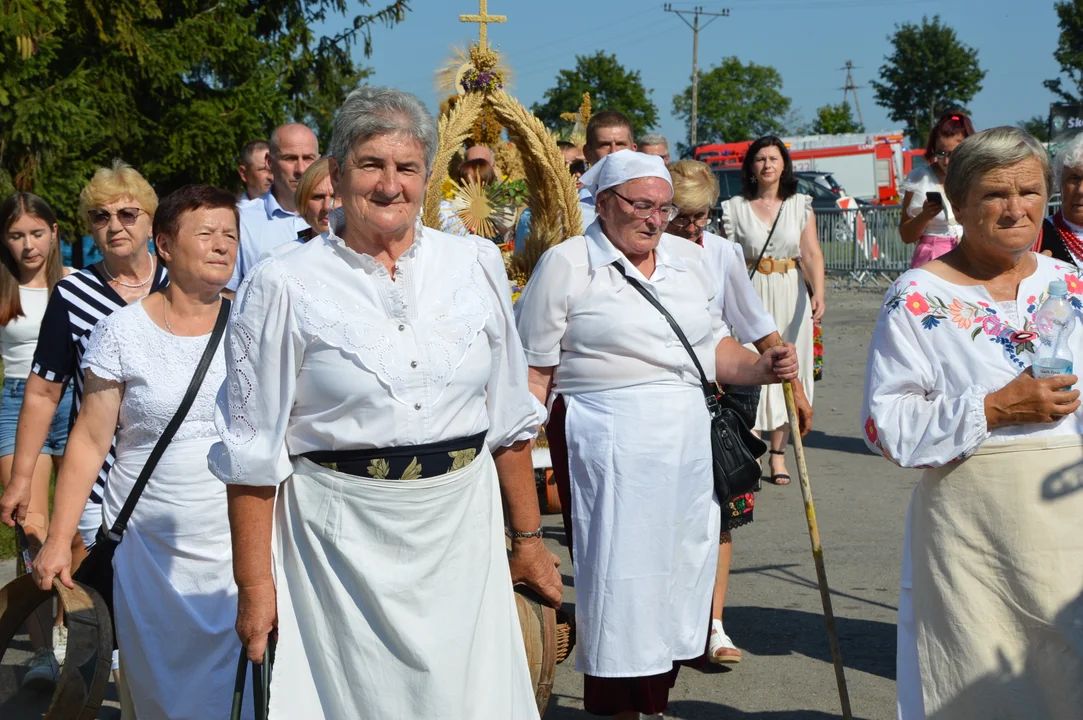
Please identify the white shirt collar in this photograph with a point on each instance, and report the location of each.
(272, 207)
(601, 251)
(337, 223)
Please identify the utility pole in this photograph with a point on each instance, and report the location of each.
(695, 12)
(850, 87)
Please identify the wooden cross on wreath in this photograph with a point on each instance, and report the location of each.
(483, 18)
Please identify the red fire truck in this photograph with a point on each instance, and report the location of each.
(872, 170)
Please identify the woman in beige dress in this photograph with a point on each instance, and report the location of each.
(791, 258)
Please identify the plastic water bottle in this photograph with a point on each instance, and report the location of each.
(1054, 321)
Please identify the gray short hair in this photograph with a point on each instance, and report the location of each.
(1070, 156)
(370, 111)
(654, 139)
(987, 151)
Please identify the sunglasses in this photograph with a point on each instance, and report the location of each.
(100, 217)
(942, 154)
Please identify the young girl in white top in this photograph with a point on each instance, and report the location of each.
(30, 260)
(928, 219)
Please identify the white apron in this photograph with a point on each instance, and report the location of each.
(646, 527)
(996, 551)
(174, 596)
(395, 599)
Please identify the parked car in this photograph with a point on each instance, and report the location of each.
(816, 184)
(824, 179)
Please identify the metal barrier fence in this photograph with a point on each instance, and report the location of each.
(862, 246)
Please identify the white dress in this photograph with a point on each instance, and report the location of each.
(394, 595)
(174, 595)
(937, 351)
(646, 521)
(741, 307)
(783, 294)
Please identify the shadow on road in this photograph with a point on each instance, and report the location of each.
(701, 710)
(867, 645)
(822, 441)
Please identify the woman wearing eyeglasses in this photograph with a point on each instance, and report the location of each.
(645, 518)
(695, 192)
(929, 221)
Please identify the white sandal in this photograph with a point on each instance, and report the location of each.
(721, 641)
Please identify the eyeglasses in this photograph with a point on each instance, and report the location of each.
(100, 217)
(643, 210)
(942, 154)
(699, 220)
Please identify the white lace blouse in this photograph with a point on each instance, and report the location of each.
(939, 349)
(156, 368)
(327, 352)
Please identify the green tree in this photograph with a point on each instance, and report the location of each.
(611, 87)
(834, 120)
(736, 102)
(930, 72)
(1037, 126)
(1069, 52)
(175, 87)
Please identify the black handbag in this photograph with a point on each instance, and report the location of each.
(736, 452)
(261, 682)
(96, 570)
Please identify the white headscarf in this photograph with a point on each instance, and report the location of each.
(620, 167)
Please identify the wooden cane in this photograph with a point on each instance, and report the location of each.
(817, 549)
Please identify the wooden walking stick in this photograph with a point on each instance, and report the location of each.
(817, 550)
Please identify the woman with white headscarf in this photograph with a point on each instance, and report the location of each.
(646, 520)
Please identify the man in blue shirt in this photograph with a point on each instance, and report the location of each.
(273, 219)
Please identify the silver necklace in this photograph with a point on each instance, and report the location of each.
(165, 314)
(130, 285)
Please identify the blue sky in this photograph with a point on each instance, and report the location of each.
(806, 40)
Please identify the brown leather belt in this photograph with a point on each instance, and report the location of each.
(774, 265)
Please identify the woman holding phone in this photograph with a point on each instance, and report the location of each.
(927, 218)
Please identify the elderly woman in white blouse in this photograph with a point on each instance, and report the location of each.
(646, 521)
(992, 570)
(375, 380)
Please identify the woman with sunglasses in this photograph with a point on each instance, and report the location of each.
(118, 204)
(927, 218)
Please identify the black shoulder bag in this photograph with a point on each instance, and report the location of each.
(96, 570)
(734, 449)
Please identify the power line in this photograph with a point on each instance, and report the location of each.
(696, 12)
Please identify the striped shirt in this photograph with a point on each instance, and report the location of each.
(76, 305)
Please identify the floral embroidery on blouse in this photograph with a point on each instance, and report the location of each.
(979, 317)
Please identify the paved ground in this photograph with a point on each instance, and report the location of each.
(774, 611)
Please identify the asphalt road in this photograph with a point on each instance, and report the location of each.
(773, 611)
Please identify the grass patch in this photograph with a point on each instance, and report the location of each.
(7, 542)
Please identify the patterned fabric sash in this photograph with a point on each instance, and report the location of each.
(408, 462)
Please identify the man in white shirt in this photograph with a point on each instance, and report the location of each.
(273, 219)
(255, 171)
(607, 132)
(655, 144)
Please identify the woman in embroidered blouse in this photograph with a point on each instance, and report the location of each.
(174, 598)
(927, 222)
(646, 520)
(376, 381)
(1062, 232)
(993, 555)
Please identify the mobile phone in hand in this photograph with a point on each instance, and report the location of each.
(936, 197)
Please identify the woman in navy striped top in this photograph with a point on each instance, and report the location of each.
(118, 204)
